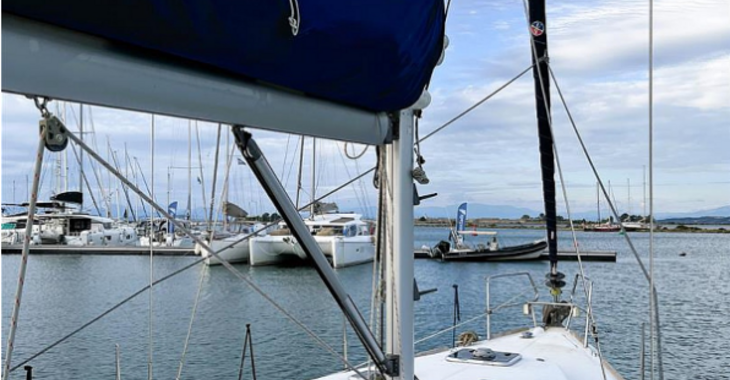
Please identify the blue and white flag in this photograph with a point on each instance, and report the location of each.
(461, 218)
(172, 210)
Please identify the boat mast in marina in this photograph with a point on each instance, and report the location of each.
(81, 153)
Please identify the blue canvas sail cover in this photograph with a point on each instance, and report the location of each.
(372, 54)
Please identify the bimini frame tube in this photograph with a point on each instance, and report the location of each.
(267, 178)
(63, 64)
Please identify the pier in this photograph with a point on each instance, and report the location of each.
(97, 250)
(609, 256)
(605, 256)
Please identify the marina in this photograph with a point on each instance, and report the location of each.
(116, 278)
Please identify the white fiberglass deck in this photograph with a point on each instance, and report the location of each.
(552, 354)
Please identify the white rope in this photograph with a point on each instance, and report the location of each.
(356, 156)
(26, 248)
(295, 17)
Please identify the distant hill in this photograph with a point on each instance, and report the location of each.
(476, 210)
(720, 215)
(723, 211)
(706, 220)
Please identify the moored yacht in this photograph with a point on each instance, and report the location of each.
(61, 225)
(344, 238)
(233, 247)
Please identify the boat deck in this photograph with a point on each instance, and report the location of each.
(554, 354)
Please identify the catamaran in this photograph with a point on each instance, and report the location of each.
(344, 238)
(62, 224)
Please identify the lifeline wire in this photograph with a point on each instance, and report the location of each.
(479, 103)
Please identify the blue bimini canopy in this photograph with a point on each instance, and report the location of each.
(372, 54)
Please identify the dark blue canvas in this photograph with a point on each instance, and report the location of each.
(372, 54)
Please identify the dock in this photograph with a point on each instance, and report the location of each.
(605, 256)
(96, 250)
(608, 256)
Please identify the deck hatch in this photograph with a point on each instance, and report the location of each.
(484, 356)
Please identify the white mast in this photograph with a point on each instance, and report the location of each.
(598, 202)
(81, 154)
(312, 197)
(644, 204)
(215, 177)
(628, 186)
(399, 298)
(65, 155)
(299, 175)
(189, 211)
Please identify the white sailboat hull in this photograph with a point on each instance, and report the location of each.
(238, 253)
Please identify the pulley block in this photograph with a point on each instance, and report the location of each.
(56, 139)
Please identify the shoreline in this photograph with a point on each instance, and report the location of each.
(516, 224)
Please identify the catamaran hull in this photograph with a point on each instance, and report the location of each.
(530, 251)
(341, 251)
(238, 253)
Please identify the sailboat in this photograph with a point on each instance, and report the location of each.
(82, 49)
(609, 226)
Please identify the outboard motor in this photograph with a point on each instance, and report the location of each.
(441, 248)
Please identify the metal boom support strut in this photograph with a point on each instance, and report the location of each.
(267, 178)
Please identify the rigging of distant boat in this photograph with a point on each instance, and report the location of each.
(459, 250)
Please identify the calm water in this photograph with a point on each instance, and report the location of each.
(63, 292)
